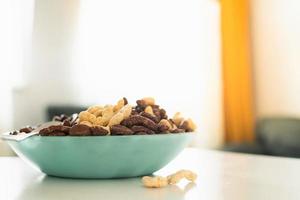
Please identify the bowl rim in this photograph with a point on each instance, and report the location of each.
(4, 137)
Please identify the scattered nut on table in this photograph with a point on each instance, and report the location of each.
(159, 181)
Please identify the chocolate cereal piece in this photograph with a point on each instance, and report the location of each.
(162, 128)
(125, 101)
(163, 114)
(26, 129)
(141, 133)
(141, 103)
(98, 131)
(57, 133)
(14, 133)
(139, 120)
(55, 130)
(80, 130)
(67, 123)
(139, 129)
(139, 109)
(61, 128)
(156, 112)
(44, 132)
(149, 116)
(120, 130)
(178, 130)
(134, 111)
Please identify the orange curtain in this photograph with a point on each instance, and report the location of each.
(237, 80)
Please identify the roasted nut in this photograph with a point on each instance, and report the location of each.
(99, 130)
(142, 129)
(149, 116)
(149, 100)
(155, 182)
(120, 130)
(80, 130)
(139, 120)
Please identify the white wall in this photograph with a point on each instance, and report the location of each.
(48, 72)
(15, 31)
(276, 52)
(169, 49)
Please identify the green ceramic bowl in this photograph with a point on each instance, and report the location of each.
(101, 156)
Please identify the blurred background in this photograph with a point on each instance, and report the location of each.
(231, 65)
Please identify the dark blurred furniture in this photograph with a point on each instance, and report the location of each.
(278, 136)
(53, 110)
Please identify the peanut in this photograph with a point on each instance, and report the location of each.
(159, 181)
(155, 182)
(178, 176)
(149, 100)
(149, 110)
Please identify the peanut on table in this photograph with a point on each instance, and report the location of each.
(159, 181)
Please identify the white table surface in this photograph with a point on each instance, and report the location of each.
(221, 176)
